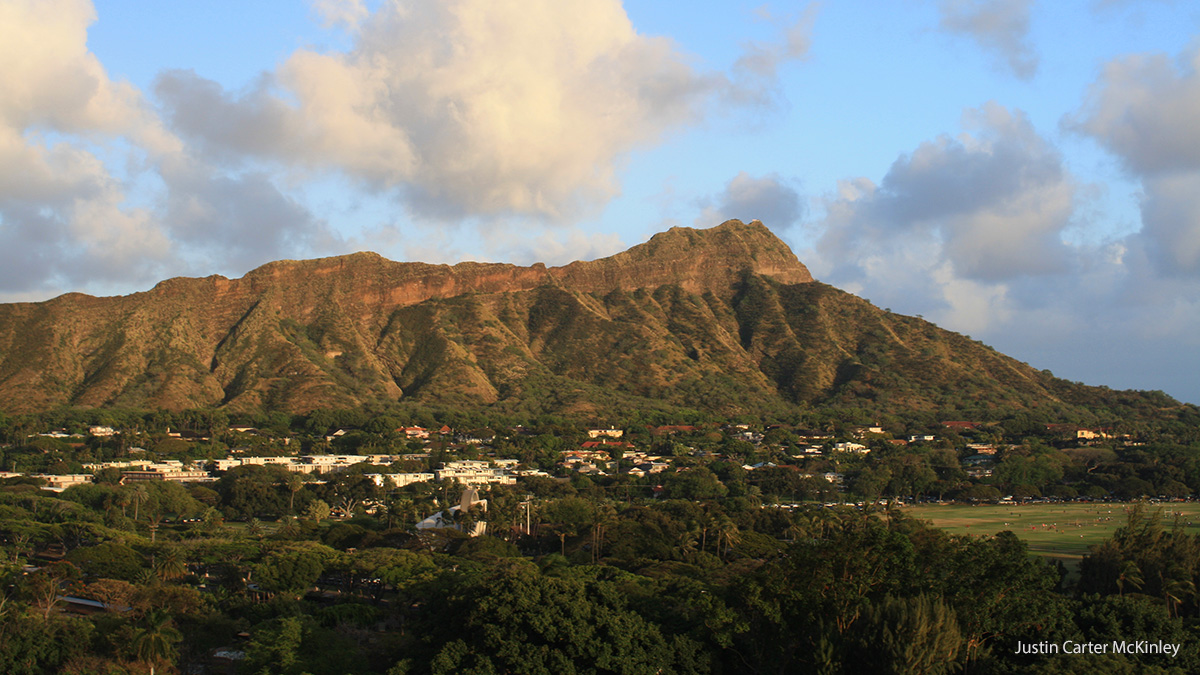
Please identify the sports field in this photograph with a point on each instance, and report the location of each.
(1061, 531)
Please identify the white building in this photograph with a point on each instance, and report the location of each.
(610, 433)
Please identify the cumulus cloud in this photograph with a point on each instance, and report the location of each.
(1000, 27)
(968, 231)
(236, 222)
(465, 107)
(63, 217)
(769, 199)
(66, 217)
(1171, 222)
(996, 201)
(1143, 109)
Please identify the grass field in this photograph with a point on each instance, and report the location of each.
(1058, 531)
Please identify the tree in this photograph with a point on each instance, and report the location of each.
(1131, 575)
(290, 571)
(909, 636)
(154, 641)
(138, 495)
(108, 560)
(727, 534)
(46, 586)
(294, 483)
(169, 566)
(317, 510)
(696, 483)
(274, 647)
(521, 621)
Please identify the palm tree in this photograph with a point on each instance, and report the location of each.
(688, 540)
(1175, 591)
(727, 533)
(138, 496)
(1130, 574)
(255, 528)
(169, 566)
(294, 483)
(606, 515)
(122, 500)
(795, 529)
(154, 642)
(290, 527)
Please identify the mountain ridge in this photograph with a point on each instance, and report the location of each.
(723, 319)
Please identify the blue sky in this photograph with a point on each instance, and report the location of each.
(1026, 172)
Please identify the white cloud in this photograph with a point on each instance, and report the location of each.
(63, 217)
(997, 26)
(996, 201)
(1144, 108)
(465, 107)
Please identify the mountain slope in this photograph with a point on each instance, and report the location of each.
(724, 319)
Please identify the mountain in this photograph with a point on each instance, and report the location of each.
(724, 319)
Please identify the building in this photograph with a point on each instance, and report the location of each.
(399, 479)
(474, 472)
(58, 483)
(177, 476)
(609, 433)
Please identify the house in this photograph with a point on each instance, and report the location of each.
(962, 426)
(414, 432)
(337, 433)
(57, 433)
(862, 432)
(609, 433)
(850, 446)
(645, 468)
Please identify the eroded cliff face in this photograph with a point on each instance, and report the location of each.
(333, 331)
(697, 260)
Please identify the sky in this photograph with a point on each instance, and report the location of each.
(1026, 172)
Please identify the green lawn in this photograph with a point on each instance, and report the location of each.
(1060, 531)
